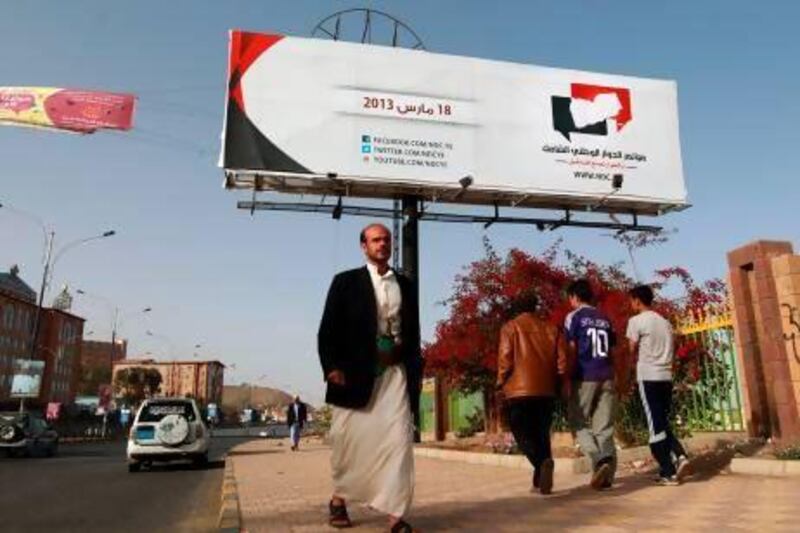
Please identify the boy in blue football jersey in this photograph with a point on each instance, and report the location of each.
(592, 398)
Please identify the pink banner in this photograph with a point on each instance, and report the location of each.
(66, 109)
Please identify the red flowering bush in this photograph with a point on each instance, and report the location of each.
(464, 349)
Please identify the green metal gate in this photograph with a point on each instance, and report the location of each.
(714, 402)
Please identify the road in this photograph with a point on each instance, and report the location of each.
(87, 487)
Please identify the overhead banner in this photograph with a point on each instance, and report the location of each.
(65, 109)
(384, 116)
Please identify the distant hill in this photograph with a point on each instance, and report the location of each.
(237, 397)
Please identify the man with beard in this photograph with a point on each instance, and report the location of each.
(369, 348)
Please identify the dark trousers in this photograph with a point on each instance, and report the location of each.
(530, 420)
(657, 401)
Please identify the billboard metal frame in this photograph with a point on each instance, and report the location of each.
(334, 186)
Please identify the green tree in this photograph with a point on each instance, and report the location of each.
(91, 379)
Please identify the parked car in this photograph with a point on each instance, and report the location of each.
(27, 434)
(167, 429)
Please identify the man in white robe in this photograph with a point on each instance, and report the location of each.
(369, 348)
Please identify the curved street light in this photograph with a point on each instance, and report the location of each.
(116, 320)
(47, 274)
(167, 340)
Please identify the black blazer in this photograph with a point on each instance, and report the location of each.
(347, 339)
(302, 415)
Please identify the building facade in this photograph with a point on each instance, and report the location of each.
(16, 319)
(201, 380)
(59, 342)
(97, 359)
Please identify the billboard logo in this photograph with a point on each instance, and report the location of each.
(366, 147)
(589, 108)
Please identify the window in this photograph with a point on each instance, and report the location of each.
(154, 412)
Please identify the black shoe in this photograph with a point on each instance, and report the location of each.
(338, 516)
(602, 476)
(535, 481)
(546, 476)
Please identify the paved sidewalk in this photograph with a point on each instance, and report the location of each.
(286, 491)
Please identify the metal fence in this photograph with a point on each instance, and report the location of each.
(714, 400)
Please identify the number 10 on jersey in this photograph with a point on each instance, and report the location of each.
(599, 338)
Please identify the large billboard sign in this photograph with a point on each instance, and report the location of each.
(309, 115)
(66, 109)
(27, 378)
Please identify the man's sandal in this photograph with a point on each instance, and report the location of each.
(401, 526)
(338, 516)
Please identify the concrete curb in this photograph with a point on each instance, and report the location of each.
(578, 465)
(81, 440)
(230, 518)
(565, 465)
(765, 467)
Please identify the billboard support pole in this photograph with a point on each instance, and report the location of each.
(411, 265)
(397, 216)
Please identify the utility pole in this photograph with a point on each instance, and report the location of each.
(34, 341)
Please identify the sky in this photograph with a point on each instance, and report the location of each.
(250, 290)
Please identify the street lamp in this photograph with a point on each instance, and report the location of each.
(47, 274)
(167, 340)
(116, 320)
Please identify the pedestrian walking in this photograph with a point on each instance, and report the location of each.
(591, 402)
(651, 337)
(530, 354)
(296, 416)
(369, 348)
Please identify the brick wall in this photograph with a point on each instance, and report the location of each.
(786, 271)
(770, 398)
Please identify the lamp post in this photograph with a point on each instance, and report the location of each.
(49, 265)
(170, 345)
(115, 323)
(117, 319)
(50, 261)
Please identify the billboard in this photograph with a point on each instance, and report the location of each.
(309, 115)
(65, 109)
(27, 380)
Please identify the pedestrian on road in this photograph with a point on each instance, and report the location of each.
(651, 337)
(591, 402)
(296, 416)
(369, 348)
(530, 355)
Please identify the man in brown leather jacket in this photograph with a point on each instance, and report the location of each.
(530, 357)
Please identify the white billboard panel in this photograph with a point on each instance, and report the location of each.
(385, 120)
(27, 378)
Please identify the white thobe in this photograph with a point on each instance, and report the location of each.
(373, 458)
